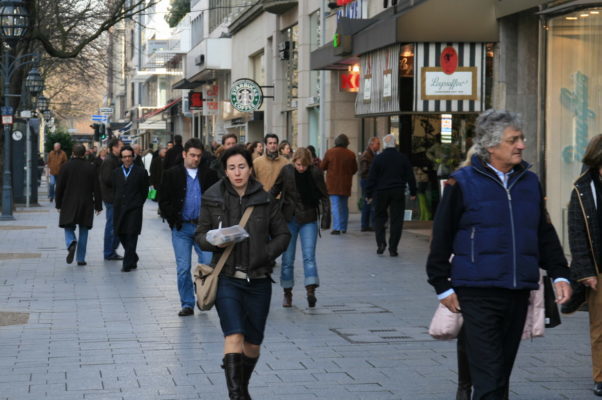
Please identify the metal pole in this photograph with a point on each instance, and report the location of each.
(27, 163)
(7, 185)
(322, 114)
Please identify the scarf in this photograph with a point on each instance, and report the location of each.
(306, 186)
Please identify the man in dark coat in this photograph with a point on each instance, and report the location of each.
(389, 174)
(130, 185)
(173, 156)
(180, 205)
(110, 163)
(77, 196)
(156, 169)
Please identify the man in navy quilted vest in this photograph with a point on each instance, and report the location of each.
(492, 220)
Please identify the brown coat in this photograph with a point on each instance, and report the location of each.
(340, 165)
(56, 159)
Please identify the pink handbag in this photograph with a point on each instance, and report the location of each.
(445, 324)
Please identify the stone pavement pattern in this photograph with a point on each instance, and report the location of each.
(97, 333)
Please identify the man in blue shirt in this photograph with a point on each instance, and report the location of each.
(180, 204)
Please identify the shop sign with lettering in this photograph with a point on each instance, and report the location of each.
(210, 100)
(349, 81)
(461, 85)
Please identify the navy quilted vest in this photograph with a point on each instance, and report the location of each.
(496, 244)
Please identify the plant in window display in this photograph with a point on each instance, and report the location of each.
(445, 156)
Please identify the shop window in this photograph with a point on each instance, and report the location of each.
(573, 103)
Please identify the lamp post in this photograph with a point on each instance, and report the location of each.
(14, 23)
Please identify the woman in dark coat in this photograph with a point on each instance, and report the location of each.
(245, 286)
(77, 196)
(130, 183)
(303, 195)
(585, 240)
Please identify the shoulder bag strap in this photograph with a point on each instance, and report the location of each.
(228, 251)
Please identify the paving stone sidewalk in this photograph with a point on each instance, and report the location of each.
(96, 333)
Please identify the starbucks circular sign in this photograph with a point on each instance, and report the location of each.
(246, 95)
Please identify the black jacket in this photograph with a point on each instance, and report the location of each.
(445, 227)
(172, 191)
(291, 199)
(106, 177)
(129, 197)
(389, 170)
(156, 171)
(584, 230)
(173, 157)
(269, 235)
(78, 193)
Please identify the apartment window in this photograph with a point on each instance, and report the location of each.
(257, 63)
(196, 29)
(290, 58)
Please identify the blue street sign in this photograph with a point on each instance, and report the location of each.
(100, 118)
(7, 110)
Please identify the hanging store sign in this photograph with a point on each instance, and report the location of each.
(451, 77)
(387, 82)
(446, 128)
(246, 95)
(349, 81)
(437, 85)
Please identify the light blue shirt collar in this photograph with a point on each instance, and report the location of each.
(504, 176)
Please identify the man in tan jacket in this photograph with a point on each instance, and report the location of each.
(267, 167)
(56, 159)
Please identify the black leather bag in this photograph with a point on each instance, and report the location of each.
(552, 313)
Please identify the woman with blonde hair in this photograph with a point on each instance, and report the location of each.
(304, 197)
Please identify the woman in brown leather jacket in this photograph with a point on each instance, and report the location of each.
(244, 288)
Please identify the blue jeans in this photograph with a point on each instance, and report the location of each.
(82, 241)
(368, 213)
(340, 212)
(183, 242)
(51, 183)
(309, 235)
(111, 241)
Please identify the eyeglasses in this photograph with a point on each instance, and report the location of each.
(515, 139)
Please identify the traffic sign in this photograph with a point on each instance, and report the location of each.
(100, 118)
(106, 110)
(7, 120)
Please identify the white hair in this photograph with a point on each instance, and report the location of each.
(389, 141)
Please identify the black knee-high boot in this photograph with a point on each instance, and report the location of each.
(233, 368)
(248, 365)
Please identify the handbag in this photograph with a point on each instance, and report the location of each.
(152, 193)
(445, 324)
(552, 313)
(206, 277)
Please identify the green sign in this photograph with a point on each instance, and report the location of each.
(336, 40)
(246, 95)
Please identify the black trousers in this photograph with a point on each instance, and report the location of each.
(393, 203)
(129, 243)
(494, 319)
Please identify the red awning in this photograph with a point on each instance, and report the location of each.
(160, 110)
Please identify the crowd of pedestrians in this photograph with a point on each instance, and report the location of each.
(482, 264)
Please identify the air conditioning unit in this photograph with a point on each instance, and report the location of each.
(314, 100)
(199, 60)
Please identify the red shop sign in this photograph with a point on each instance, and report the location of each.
(349, 81)
(449, 60)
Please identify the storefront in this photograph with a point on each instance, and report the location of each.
(573, 112)
(428, 95)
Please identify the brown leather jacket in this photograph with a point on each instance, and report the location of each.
(56, 159)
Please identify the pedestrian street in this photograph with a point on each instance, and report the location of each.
(93, 332)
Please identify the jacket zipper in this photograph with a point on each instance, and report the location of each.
(472, 244)
(511, 216)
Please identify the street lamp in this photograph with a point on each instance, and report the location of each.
(47, 115)
(14, 24)
(34, 82)
(42, 103)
